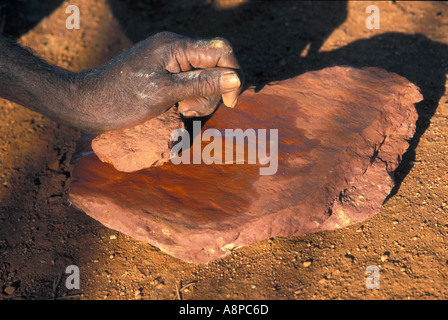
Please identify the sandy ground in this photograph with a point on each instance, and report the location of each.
(41, 233)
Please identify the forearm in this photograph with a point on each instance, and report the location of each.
(35, 84)
(82, 100)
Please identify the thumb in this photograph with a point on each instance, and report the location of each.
(207, 83)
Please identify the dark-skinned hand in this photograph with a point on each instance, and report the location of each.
(139, 84)
(161, 71)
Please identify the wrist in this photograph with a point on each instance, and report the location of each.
(97, 100)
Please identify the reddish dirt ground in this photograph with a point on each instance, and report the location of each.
(41, 233)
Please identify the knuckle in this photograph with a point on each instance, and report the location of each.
(166, 35)
(205, 84)
(166, 38)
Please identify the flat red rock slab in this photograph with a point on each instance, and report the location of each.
(341, 134)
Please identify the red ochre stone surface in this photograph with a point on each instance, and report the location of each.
(341, 134)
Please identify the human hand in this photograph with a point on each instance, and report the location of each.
(159, 72)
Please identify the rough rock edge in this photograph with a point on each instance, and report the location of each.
(348, 204)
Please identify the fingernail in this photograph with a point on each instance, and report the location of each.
(229, 81)
(230, 99)
(190, 114)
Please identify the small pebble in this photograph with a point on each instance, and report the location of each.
(9, 290)
(306, 264)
